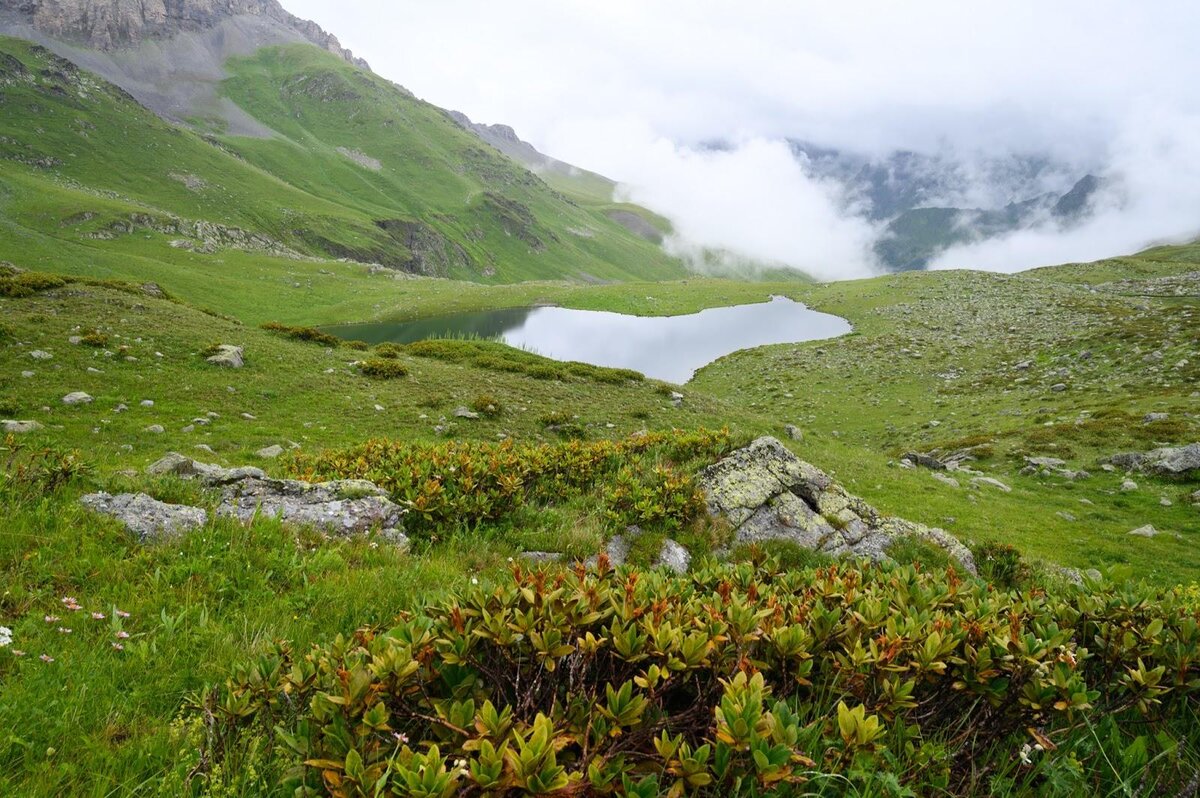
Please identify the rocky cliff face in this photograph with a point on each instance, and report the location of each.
(111, 24)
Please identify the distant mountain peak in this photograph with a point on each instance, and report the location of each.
(112, 24)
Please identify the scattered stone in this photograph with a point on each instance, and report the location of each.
(19, 427)
(992, 483)
(75, 340)
(175, 464)
(463, 412)
(156, 429)
(204, 447)
(1058, 387)
(147, 517)
(147, 403)
(1146, 531)
(269, 452)
(542, 556)
(77, 398)
(1129, 485)
(1164, 501)
(767, 493)
(121, 408)
(793, 432)
(1064, 515)
(26, 374)
(38, 354)
(229, 356)
(1150, 418)
(674, 556)
(945, 479)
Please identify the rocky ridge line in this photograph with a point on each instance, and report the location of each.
(112, 24)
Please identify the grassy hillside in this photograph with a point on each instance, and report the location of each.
(126, 647)
(359, 170)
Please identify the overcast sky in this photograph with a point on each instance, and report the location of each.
(629, 88)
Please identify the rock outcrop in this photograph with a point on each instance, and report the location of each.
(110, 24)
(767, 493)
(340, 508)
(147, 517)
(1177, 461)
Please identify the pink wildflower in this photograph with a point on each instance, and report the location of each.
(122, 635)
(97, 616)
(118, 647)
(122, 614)
(52, 619)
(46, 658)
(62, 630)
(18, 652)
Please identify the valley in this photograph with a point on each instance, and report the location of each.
(981, 525)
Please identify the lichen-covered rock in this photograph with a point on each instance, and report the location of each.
(229, 356)
(767, 493)
(341, 507)
(674, 556)
(1171, 461)
(147, 517)
(19, 427)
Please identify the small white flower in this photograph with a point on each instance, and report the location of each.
(474, 581)
(5, 636)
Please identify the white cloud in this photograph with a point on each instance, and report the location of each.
(629, 88)
(1154, 164)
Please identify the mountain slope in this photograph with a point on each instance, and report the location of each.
(351, 167)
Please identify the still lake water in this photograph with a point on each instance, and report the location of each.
(668, 348)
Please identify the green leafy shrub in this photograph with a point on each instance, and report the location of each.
(912, 550)
(7, 333)
(94, 338)
(1001, 564)
(211, 350)
(309, 334)
(487, 405)
(25, 284)
(643, 479)
(730, 681)
(357, 346)
(389, 350)
(381, 369)
(29, 473)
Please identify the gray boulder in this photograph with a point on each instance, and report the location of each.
(1147, 531)
(77, 398)
(229, 356)
(19, 427)
(991, 482)
(269, 452)
(674, 557)
(767, 493)
(340, 507)
(146, 517)
(1171, 461)
(174, 464)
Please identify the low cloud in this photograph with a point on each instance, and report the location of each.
(1152, 196)
(752, 200)
(632, 89)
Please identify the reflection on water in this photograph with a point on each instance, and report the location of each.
(668, 348)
